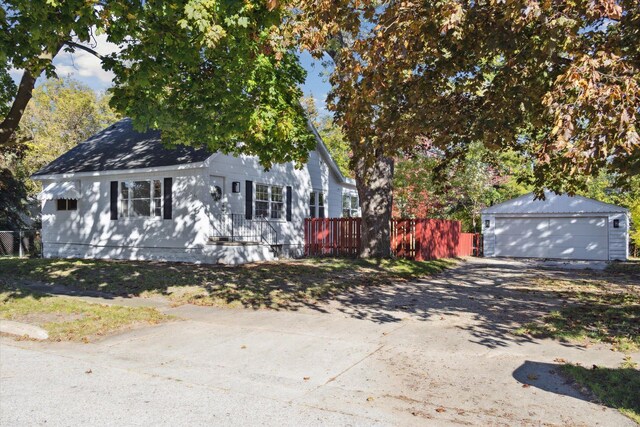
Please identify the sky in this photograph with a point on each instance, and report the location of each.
(86, 68)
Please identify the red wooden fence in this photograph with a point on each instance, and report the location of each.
(418, 239)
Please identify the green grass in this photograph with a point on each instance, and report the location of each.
(283, 284)
(70, 319)
(594, 311)
(617, 388)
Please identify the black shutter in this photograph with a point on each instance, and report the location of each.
(248, 200)
(321, 212)
(167, 209)
(114, 200)
(289, 197)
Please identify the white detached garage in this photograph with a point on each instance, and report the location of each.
(561, 226)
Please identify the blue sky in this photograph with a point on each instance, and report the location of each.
(86, 68)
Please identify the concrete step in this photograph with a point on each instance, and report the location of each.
(226, 241)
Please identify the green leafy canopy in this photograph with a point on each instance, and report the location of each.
(205, 72)
(214, 73)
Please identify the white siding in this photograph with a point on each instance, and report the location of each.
(619, 237)
(315, 175)
(90, 232)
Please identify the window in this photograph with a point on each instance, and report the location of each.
(277, 202)
(316, 204)
(67, 204)
(350, 206)
(141, 198)
(269, 201)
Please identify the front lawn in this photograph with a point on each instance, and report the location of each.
(592, 310)
(70, 319)
(632, 266)
(282, 284)
(617, 388)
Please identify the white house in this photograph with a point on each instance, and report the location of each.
(561, 226)
(122, 195)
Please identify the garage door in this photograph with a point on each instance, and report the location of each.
(566, 238)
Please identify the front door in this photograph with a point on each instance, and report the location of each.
(218, 205)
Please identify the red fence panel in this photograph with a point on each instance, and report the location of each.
(466, 244)
(419, 239)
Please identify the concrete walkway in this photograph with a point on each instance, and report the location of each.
(438, 352)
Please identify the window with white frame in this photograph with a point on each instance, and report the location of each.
(269, 201)
(141, 198)
(350, 205)
(316, 204)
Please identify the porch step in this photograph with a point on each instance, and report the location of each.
(225, 241)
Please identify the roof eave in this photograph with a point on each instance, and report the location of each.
(71, 175)
(322, 148)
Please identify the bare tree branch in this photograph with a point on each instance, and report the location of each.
(75, 45)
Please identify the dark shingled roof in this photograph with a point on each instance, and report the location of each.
(120, 147)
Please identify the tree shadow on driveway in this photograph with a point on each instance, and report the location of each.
(491, 300)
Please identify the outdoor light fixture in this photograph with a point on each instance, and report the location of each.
(616, 223)
(235, 187)
(487, 223)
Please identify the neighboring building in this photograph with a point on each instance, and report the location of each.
(121, 194)
(561, 226)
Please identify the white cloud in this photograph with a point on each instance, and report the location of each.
(84, 66)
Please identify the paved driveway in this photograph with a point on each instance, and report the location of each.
(436, 352)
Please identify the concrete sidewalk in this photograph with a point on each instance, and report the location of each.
(414, 354)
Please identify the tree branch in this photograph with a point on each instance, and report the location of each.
(10, 123)
(75, 45)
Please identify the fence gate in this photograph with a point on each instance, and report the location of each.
(20, 243)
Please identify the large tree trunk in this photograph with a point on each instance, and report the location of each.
(10, 123)
(375, 188)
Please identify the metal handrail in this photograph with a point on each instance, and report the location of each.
(236, 227)
(272, 232)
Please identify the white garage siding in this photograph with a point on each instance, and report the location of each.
(560, 227)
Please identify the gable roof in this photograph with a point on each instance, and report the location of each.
(120, 147)
(553, 204)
